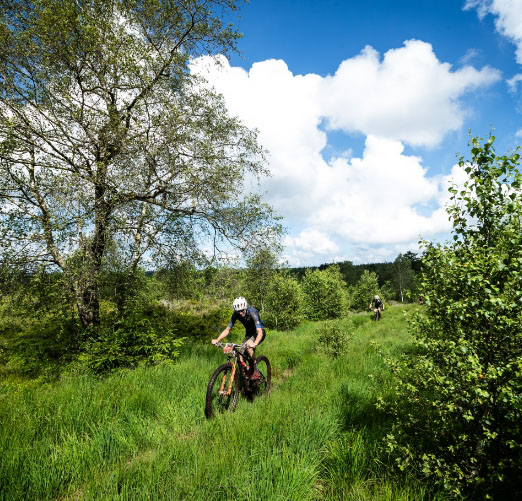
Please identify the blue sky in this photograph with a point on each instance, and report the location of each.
(363, 107)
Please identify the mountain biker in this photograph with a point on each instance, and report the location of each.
(254, 329)
(377, 304)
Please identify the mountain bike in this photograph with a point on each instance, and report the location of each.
(229, 379)
(376, 313)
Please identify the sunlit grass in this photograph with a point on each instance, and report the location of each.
(142, 434)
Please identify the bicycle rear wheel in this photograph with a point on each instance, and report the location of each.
(222, 391)
(264, 367)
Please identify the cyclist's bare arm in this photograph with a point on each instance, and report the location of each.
(222, 335)
(259, 336)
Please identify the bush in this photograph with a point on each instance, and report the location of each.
(42, 347)
(458, 408)
(130, 342)
(361, 294)
(38, 329)
(332, 339)
(325, 294)
(283, 303)
(259, 274)
(200, 326)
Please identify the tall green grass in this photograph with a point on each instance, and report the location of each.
(142, 434)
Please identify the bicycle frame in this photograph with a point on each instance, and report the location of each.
(222, 393)
(238, 351)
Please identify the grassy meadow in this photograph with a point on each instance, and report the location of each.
(142, 434)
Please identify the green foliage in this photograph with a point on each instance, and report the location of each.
(403, 281)
(200, 326)
(130, 342)
(182, 281)
(40, 334)
(225, 283)
(38, 326)
(362, 293)
(261, 268)
(386, 272)
(151, 170)
(151, 334)
(459, 411)
(333, 339)
(325, 294)
(129, 290)
(284, 302)
(141, 434)
(40, 348)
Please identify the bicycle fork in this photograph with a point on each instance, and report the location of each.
(228, 391)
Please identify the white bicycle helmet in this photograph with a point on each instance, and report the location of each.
(239, 304)
(376, 297)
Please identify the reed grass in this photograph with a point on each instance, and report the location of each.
(142, 434)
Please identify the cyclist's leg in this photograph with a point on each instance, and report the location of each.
(251, 352)
(253, 355)
(250, 356)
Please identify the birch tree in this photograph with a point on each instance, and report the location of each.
(107, 138)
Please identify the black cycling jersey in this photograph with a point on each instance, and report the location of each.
(377, 303)
(252, 321)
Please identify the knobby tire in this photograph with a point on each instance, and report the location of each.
(216, 403)
(264, 367)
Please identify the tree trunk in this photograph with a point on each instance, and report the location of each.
(89, 307)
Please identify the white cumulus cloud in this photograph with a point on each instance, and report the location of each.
(513, 82)
(508, 21)
(409, 95)
(312, 241)
(380, 197)
(385, 198)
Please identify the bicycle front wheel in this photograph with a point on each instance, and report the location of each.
(222, 391)
(264, 367)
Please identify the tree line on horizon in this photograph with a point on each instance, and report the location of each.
(398, 275)
(144, 317)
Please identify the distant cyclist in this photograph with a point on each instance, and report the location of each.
(377, 305)
(254, 329)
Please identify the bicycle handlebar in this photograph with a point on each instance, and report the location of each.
(240, 348)
(219, 344)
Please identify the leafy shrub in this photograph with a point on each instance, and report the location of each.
(200, 326)
(150, 335)
(283, 303)
(130, 342)
(458, 408)
(259, 274)
(332, 339)
(38, 329)
(181, 280)
(39, 348)
(325, 293)
(363, 291)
